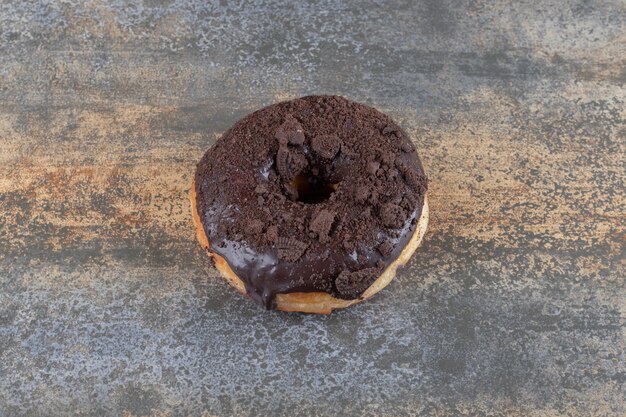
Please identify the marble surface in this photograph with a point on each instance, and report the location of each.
(514, 305)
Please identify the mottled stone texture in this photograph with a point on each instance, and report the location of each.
(515, 304)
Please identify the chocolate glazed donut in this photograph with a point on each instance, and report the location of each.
(311, 204)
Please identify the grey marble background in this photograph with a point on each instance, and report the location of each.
(514, 305)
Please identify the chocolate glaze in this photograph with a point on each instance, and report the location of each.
(314, 194)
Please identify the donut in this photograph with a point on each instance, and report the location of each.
(311, 204)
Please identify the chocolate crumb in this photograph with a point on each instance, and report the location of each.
(318, 281)
(407, 147)
(387, 130)
(416, 180)
(352, 284)
(291, 191)
(401, 164)
(254, 227)
(290, 249)
(361, 194)
(326, 146)
(271, 234)
(290, 132)
(261, 189)
(409, 200)
(290, 163)
(392, 215)
(372, 167)
(385, 248)
(322, 223)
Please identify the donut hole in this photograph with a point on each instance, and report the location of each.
(313, 189)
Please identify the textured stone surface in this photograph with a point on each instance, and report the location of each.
(514, 305)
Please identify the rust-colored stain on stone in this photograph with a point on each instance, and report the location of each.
(515, 304)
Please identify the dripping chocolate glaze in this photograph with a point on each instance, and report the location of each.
(314, 194)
